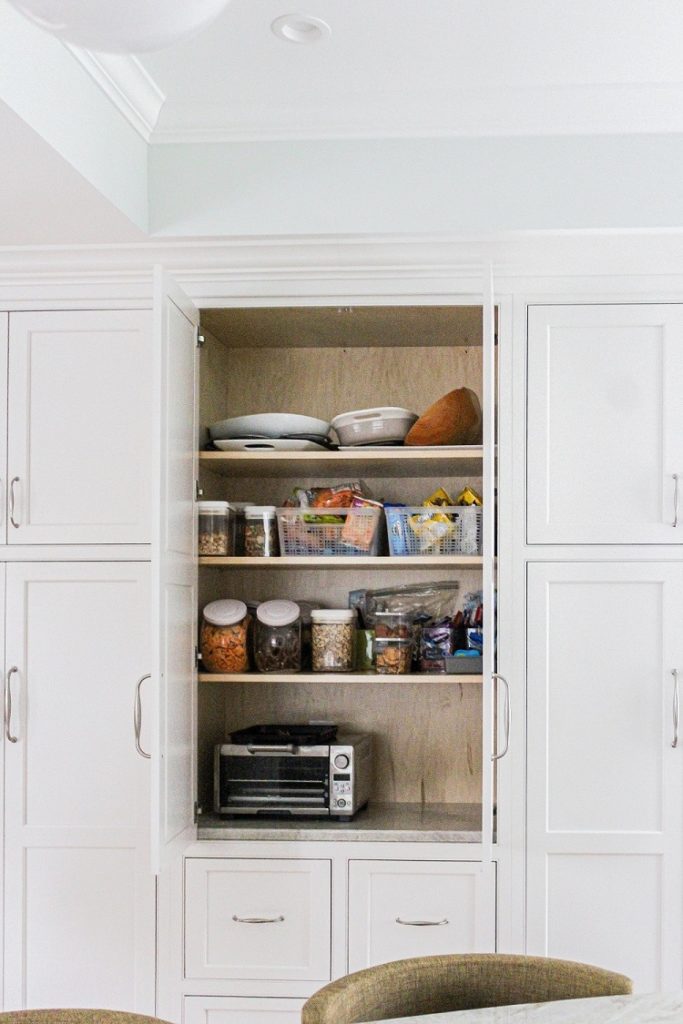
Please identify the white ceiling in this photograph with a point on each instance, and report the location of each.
(426, 67)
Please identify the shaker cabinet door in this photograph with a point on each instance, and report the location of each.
(604, 778)
(605, 424)
(79, 894)
(79, 427)
(400, 909)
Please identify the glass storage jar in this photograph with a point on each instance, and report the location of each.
(277, 637)
(393, 655)
(216, 528)
(332, 639)
(223, 636)
(260, 531)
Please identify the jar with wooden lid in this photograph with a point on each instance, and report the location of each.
(223, 636)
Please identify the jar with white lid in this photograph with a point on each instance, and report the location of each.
(260, 531)
(277, 637)
(332, 639)
(215, 528)
(223, 637)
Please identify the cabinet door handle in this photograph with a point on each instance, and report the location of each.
(676, 708)
(258, 920)
(675, 522)
(8, 705)
(15, 524)
(137, 715)
(497, 757)
(423, 924)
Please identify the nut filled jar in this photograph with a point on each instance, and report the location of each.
(277, 637)
(223, 636)
(216, 526)
(260, 531)
(332, 639)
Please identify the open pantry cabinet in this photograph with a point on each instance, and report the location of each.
(429, 730)
(435, 736)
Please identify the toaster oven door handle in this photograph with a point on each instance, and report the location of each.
(271, 748)
(258, 920)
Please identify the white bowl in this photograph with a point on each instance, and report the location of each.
(268, 424)
(373, 426)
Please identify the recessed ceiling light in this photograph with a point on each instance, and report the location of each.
(300, 28)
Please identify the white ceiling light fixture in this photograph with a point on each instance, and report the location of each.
(300, 28)
(121, 26)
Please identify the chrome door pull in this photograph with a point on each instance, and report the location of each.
(675, 522)
(8, 705)
(137, 716)
(15, 524)
(497, 757)
(258, 920)
(674, 673)
(423, 924)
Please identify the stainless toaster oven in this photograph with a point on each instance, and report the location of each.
(291, 771)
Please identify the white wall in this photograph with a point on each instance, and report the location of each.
(424, 185)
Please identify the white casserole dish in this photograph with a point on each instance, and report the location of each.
(373, 426)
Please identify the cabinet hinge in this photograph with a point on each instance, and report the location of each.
(197, 812)
(198, 492)
(200, 340)
(197, 656)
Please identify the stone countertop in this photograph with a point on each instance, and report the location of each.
(426, 823)
(638, 1009)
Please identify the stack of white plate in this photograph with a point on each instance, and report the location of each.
(270, 431)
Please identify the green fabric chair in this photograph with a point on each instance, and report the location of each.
(75, 1017)
(434, 984)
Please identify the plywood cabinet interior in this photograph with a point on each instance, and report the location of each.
(322, 362)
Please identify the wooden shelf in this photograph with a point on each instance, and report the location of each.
(399, 462)
(344, 562)
(428, 678)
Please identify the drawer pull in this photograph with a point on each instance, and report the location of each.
(423, 924)
(258, 920)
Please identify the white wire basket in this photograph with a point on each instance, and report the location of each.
(329, 532)
(442, 530)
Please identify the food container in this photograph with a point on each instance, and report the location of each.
(393, 655)
(260, 532)
(223, 637)
(239, 507)
(332, 639)
(442, 530)
(277, 637)
(384, 425)
(216, 524)
(305, 531)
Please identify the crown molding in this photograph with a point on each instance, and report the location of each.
(127, 84)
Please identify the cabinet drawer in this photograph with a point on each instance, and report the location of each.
(221, 1010)
(403, 909)
(257, 919)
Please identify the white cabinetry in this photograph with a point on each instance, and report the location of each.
(222, 1010)
(605, 782)
(605, 424)
(265, 919)
(79, 427)
(403, 909)
(79, 894)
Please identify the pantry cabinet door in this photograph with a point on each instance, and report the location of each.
(79, 427)
(174, 567)
(401, 909)
(79, 895)
(4, 341)
(604, 780)
(605, 424)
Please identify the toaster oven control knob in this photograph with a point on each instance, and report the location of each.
(341, 761)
